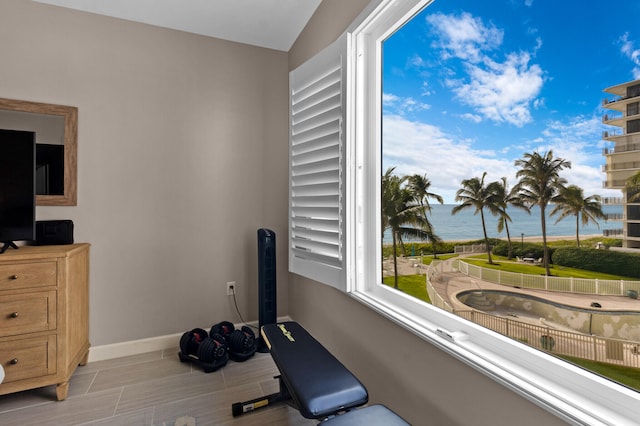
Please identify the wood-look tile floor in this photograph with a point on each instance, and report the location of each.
(154, 389)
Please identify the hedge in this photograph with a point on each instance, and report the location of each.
(534, 250)
(605, 261)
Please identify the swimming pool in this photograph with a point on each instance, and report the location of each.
(604, 323)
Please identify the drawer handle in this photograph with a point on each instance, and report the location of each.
(14, 314)
(14, 277)
(13, 361)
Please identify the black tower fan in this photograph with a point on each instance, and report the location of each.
(266, 281)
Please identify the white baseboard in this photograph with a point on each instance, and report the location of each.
(134, 347)
(141, 346)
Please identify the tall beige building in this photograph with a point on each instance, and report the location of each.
(623, 159)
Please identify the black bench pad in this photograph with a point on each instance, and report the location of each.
(319, 384)
(367, 416)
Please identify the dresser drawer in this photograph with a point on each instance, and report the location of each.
(28, 358)
(27, 275)
(27, 312)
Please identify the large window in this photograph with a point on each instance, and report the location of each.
(385, 131)
(351, 125)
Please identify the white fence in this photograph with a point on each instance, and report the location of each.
(544, 282)
(470, 248)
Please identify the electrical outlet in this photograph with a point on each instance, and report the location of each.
(231, 288)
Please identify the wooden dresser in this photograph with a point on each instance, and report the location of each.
(44, 316)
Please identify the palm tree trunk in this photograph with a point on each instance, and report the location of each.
(545, 252)
(578, 230)
(510, 252)
(395, 262)
(486, 239)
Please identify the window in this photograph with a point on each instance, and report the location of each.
(568, 391)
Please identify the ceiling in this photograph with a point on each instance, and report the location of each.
(274, 24)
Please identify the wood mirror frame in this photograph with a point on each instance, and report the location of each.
(70, 114)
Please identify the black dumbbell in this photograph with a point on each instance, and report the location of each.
(211, 351)
(242, 344)
(191, 340)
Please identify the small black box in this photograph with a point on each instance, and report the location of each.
(54, 232)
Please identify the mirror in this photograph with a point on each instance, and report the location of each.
(56, 128)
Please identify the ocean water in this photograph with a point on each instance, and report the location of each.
(466, 226)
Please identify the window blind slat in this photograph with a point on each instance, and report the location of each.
(327, 121)
(321, 154)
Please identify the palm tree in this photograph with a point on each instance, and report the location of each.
(539, 182)
(504, 199)
(419, 185)
(474, 194)
(570, 201)
(632, 187)
(401, 213)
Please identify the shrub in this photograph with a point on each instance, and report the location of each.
(605, 261)
(535, 250)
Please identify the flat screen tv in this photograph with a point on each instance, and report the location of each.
(17, 187)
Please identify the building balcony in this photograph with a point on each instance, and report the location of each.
(620, 121)
(621, 148)
(614, 216)
(607, 134)
(607, 118)
(619, 103)
(626, 165)
(614, 184)
(612, 232)
(612, 201)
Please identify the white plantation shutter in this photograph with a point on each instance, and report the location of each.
(316, 166)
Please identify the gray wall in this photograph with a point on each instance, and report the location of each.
(182, 157)
(425, 385)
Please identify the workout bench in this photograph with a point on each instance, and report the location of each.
(314, 382)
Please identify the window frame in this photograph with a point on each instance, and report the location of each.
(573, 394)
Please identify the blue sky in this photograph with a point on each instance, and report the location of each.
(469, 86)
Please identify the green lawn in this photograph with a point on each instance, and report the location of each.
(413, 285)
(501, 263)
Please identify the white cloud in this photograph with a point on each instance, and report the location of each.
(472, 117)
(630, 51)
(502, 92)
(401, 105)
(464, 36)
(415, 147)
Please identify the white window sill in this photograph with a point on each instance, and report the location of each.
(567, 391)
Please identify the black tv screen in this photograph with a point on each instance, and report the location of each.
(17, 187)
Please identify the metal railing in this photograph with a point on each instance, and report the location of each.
(621, 148)
(595, 348)
(612, 200)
